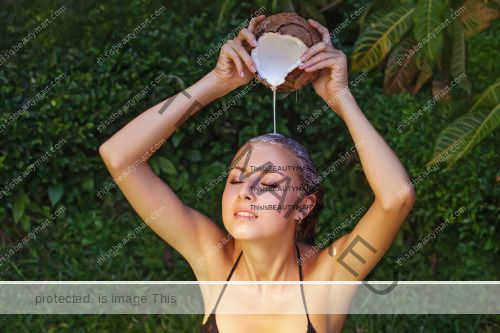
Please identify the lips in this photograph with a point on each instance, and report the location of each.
(245, 213)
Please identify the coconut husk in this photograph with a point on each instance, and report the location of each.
(294, 25)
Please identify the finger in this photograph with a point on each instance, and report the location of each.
(242, 52)
(248, 36)
(325, 34)
(315, 49)
(231, 53)
(323, 64)
(317, 58)
(255, 21)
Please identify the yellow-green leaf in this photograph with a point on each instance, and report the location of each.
(481, 120)
(428, 26)
(379, 38)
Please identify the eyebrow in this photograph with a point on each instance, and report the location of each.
(266, 171)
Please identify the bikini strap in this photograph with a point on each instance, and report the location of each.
(299, 261)
(228, 278)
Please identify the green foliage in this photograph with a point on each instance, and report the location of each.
(413, 61)
(378, 39)
(72, 110)
(458, 56)
(308, 9)
(427, 18)
(430, 22)
(480, 121)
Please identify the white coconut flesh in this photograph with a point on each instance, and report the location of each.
(277, 55)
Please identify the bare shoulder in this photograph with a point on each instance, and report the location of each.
(318, 263)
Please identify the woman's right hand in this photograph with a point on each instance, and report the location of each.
(235, 65)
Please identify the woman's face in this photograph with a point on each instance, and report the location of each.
(243, 186)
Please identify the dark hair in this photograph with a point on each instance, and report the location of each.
(306, 230)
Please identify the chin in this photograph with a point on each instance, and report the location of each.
(241, 230)
(252, 230)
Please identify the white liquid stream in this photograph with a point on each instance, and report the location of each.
(275, 56)
(274, 107)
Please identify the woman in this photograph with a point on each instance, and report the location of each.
(268, 245)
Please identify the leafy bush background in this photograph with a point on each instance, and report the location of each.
(67, 249)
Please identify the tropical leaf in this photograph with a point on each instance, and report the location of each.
(426, 20)
(481, 120)
(424, 75)
(378, 39)
(477, 17)
(489, 97)
(401, 67)
(458, 57)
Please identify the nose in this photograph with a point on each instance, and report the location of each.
(246, 192)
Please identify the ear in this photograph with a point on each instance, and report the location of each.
(307, 205)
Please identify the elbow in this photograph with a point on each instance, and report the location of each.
(108, 157)
(400, 203)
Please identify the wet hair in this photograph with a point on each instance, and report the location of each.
(308, 177)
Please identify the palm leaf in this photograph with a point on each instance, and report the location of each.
(477, 17)
(399, 75)
(457, 67)
(378, 39)
(481, 120)
(426, 20)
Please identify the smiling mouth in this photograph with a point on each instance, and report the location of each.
(245, 216)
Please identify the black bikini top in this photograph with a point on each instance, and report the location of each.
(210, 325)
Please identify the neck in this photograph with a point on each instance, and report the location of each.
(269, 260)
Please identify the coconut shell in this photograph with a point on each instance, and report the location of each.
(294, 25)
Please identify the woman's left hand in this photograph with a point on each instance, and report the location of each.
(331, 63)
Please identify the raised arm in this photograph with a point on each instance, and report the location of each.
(191, 233)
(377, 229)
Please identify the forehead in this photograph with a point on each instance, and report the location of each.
(262, 154)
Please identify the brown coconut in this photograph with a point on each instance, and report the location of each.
(294, 25)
